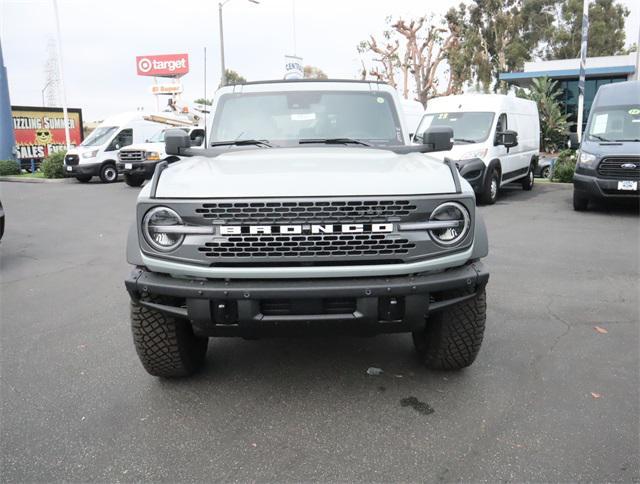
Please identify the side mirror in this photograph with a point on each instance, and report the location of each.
(574, 144)
(197, 141)
(508, 139)
(439, 138)
(176, 140)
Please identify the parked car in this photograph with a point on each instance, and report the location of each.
(543, 167)
(311, 213)
(97, 155)
(608, 166)
(496, 139)
(138, 161)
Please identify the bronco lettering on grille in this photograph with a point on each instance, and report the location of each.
(305, 229)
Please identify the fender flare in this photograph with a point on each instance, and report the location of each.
(495, 163)
(133, 248)
(480, 238)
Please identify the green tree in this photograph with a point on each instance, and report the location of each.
(554, 125)
(501, 35)
(606, 30)
(201, 100)
(311, 72)
(233, 77)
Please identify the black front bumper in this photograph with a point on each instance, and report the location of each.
(602, 188)
(138, 168)
(246, 308)
(91, 169)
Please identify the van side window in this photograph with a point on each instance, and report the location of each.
(122, 139)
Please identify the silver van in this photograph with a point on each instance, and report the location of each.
(608, 164)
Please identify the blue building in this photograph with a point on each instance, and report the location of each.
(599, 71)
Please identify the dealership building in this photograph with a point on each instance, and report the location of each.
(599, 71)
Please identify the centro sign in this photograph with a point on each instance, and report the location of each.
(167, 65)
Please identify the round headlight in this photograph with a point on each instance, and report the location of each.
(459, 228)
(154, 227)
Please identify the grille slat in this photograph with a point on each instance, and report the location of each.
(612, 168)
(308, 211)
(307, 246)
(71, 160)
(131, 155)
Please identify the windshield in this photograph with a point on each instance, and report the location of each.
(99, 136)
(287, 117)
(470, 127)
(615, 123)
(159, 136)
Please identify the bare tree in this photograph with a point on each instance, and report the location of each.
(415, 52)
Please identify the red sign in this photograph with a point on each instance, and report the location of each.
(40, 131)
(168, 65)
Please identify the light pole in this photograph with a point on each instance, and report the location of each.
(223, 77)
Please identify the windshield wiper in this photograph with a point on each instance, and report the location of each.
(631, 139)
(333, 141)
(242, 142)
(464, 140)
(600, 138)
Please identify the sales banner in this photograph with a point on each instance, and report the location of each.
(167, 65)
(40, 131)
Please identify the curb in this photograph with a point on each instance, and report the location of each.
(19, 179)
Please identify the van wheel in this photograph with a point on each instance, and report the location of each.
(133, 180)
(83, 178)
(527, 183)
(490, 192)
(108, 173)
(580, 202)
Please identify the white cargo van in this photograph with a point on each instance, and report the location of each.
(97, 155)
(496, 139)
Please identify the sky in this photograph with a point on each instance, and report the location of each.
(101, 38)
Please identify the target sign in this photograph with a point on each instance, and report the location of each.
(168, 65)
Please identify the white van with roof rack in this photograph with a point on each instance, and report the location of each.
(496, 139)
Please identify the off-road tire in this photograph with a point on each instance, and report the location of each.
(166, 345)
(527, 181)
(580, 202)
(133, 180)
(490, 192)
(83, 178)
(451, 338)
(108, 173)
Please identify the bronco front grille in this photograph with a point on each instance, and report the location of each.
(614, 168)
(308, 211)
(131, 155)
(323, 245)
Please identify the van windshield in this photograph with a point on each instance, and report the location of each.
(285, 118)
(469, 127)
(615, 123)
(99, 136)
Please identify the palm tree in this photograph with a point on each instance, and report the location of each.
(554, 124)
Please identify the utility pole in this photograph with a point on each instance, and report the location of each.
(223, 76)
(583, 61)
(65, 114)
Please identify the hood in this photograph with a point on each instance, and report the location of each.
(600, 149)
(159, 147)
(461, 152)
(304, 172)
(78, 150)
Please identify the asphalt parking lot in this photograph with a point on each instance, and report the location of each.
(550, 398)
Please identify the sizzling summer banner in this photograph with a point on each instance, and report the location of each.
(40, 131)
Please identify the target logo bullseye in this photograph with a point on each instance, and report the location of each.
(145, 65)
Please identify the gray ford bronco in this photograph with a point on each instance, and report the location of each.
(310, 211)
